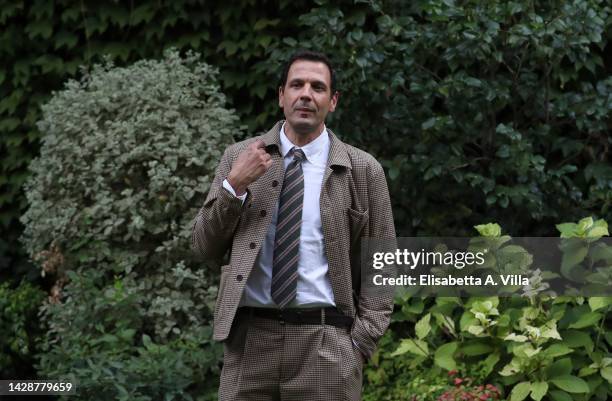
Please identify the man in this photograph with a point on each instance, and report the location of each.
(291, 207)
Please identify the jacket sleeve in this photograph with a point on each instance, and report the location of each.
(213, 227)
(375, 306)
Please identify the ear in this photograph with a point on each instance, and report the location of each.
(280, 96)
(334, 101)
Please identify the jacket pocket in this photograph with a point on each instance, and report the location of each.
(357, 222)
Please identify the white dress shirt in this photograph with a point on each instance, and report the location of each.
(313, 286)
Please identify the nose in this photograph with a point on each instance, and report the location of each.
(306, 93)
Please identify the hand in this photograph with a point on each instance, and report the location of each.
(251, 164)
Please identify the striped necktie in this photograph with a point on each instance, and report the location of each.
(287, 240)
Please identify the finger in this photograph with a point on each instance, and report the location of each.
(262, 154)
(259, 144)
(253, 146)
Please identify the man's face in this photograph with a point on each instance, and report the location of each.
(306, 98)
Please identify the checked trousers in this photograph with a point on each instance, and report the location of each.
(266, 360)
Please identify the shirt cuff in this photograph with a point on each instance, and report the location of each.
(227, 186)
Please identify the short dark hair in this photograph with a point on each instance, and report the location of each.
(310, 56)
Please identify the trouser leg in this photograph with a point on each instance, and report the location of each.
(320, 364)
(251, 361)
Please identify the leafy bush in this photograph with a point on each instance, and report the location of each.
(548, 348)
(388, 378)
(19, 328)
(128, 154)
(101, 338)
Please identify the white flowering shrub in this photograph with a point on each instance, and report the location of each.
(126, 159)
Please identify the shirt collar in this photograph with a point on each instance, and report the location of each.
(314, 150)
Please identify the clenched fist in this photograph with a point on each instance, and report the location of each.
(251, 164)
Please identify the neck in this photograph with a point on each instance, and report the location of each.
(302, 138)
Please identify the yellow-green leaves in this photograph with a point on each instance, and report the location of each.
(585, 228)
(422, 327)
(520, 391)
(599, 302)
(538, 390)
(489, 230)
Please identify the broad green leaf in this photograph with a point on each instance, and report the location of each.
(577, 338)
(443, 356)
(558, 395)
(556, 350)
(586, 320)
(599, 302)
(606, 373)
(538, 390)
(520, 391)
(571, 384)
(422, 327)
(417, 347)
(560, 368)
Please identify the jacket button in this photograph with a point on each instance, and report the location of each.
(239, 277)
(274, 183)
(262, 213)
(252, 245)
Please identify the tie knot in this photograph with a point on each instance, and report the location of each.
(298, 155)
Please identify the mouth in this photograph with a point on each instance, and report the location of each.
(304, 111)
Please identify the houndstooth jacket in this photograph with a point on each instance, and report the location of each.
(354, 204)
